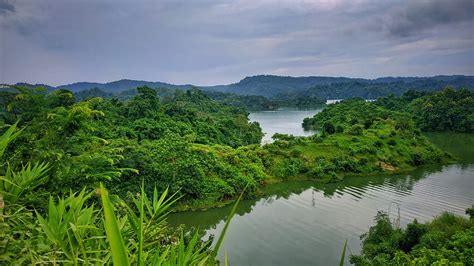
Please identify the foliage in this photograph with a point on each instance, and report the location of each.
(181, 142)
(186, 144)
(357, 137)
(340, 87)
(298, 101)
(446, 110)
(199, 148)
(247, 102)
(448, 239)
(72, 230)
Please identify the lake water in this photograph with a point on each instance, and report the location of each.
(284, 121)
(304, 223)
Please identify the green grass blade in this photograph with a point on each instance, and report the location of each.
(227, 223)
(141, 257)
(117, 246)
(343, 255)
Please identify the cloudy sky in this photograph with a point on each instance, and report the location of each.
(206, 42)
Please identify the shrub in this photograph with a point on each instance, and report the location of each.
(378, 144)
(356, 130)
(368, 123)
(392, 142)
(416, 159)
(317, 139)
(328, 128)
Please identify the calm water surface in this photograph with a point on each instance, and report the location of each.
(284, 121)
(304, 223)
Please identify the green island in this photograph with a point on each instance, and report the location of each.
(81, 180)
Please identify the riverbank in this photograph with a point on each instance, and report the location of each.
(311, 215)
(200, 205)
(362, 139)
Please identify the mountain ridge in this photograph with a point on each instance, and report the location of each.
(273, 85)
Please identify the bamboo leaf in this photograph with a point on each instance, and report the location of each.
(117, 246)
(227, 223)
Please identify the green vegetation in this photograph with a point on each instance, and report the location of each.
(204, 151)
(446, 110)
(183, 143)
(341, 87)
(188, 143)
(260, 103)
(247, 102)
(72, 229)
(291, 100)
(272, 86)
(447, 240)
(357, 137)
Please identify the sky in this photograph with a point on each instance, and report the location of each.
(209, 42)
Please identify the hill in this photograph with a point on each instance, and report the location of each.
(288, 87)
(341, 87)
(120, 85)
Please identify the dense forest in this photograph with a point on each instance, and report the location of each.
(59, 152)
(73, 230)
(246, 102)
(341, 87)
(447, 240)
(186, 143)
(271, 86)
(446, 110)
(356, 137)
(195, 146)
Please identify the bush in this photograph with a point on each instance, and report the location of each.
(368, 123)
(328, 128)
(416, 159)
(317, 139)
(356, 130)
(447, 240)
(378, 144)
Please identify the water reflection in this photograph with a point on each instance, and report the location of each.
(358, 187)
(305, 223)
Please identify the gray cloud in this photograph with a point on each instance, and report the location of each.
(6, 6)
(211, 41)
(422, 15)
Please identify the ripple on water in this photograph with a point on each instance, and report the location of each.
(309, 227)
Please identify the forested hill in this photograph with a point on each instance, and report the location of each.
(121, 85)
(283, 87)
(341, 87)
(109, 87)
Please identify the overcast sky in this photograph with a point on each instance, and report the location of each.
(206, 42)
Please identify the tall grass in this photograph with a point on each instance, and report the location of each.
(74, 231)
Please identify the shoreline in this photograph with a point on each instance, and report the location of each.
(203, 206)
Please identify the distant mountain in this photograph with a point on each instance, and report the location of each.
(49, 88)
(94, 92)
(269, 86)
(282, 86)
(120, 85)
(341, 87)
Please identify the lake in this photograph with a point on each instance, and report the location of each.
(305, 223)
(284, 121)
